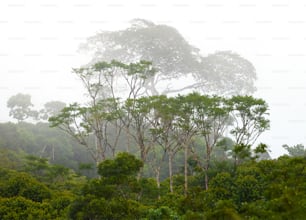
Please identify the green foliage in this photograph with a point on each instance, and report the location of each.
(172, 200)
(24, 197)
(102, 117)
(162, 213)
(22, 184)
(268, 189)
(99, 208)
(61, 202)
(224, 209)
(249, 116)
(122, 166)
(221, 186)
(193, 215)
(19, 140)
(248, 189)
(36, 166)
(148, 191)
(243, 153)
(118, 178)
(16, 208)
(55, 176)
(114, 195)
(11, 159)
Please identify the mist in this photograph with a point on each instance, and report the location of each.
(40, 46)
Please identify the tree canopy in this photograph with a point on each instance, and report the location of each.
(20, 107)
(223, 72)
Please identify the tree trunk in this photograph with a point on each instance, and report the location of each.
(206, 179)
(157, 178)
(186, 170)
(128, 139)
(151, 86)
(170, 171)
(208, 151)
(143, 159)
(100, 150)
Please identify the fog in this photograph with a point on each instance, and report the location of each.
(39, 43)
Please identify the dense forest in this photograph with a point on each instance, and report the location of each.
(136, 150)
(34, 187)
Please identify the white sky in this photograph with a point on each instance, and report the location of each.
(39, 41)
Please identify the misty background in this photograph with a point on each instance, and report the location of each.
(39, 44)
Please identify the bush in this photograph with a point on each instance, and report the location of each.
(16, 208)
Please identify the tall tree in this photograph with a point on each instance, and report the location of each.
(188, 130)
(249, 116)
(138, 124)
(164, 128)
(20, 107)
(211, 117)
(161, 44)
(102, 112)
(87, 123)
(226, 73)
(176, 60)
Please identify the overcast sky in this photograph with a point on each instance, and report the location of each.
(39, 41)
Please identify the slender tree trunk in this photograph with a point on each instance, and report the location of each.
(100, 150)
(43, 151)
(128, 139)
(185, 170)
(143, 159)
(206, 168)
(157, 178)
(170, 171)
(151, 86)
(113, 152)
(206, 179)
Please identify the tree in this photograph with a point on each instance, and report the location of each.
(249, 118)
(138, 124)
(164, 128)
(297, 150)
(51, 108)
(83, 122)
(211, 117)
(223, 147)
(20, 107)
(280, 190)
(176, 60)
(249, 122)
(188, 130)
(240, 153)
(102, 114)
(18, 207)
(224, 209)
(114, 79)
(226, 73)
(22, 184)
(113, 195)
(119, 169)
(162, 213)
